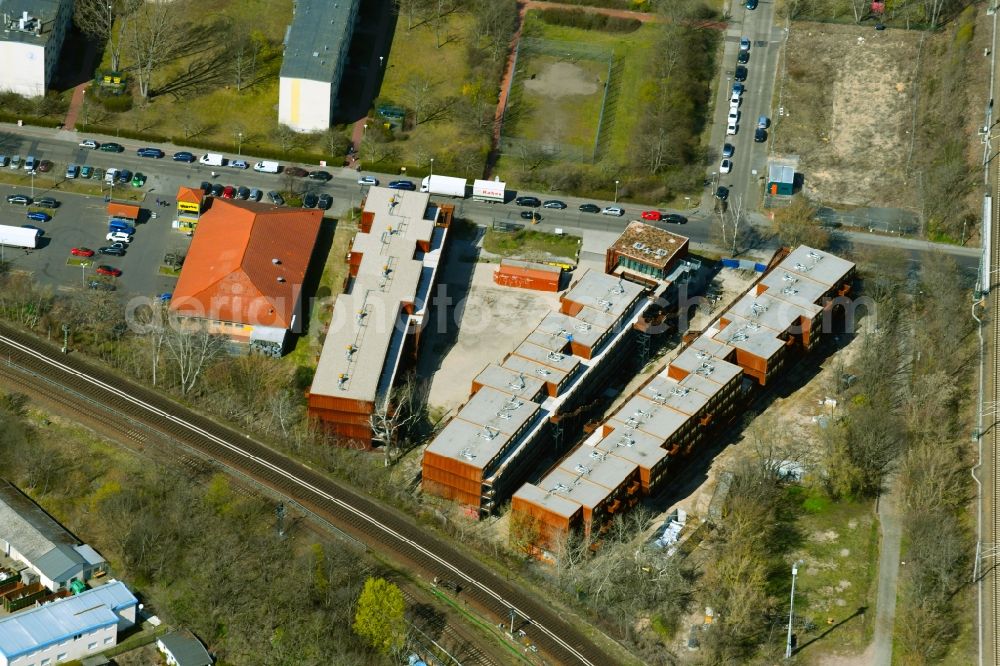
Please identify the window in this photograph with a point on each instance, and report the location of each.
(109, 640)
(61, 656)
(91, 646)
(46, 661)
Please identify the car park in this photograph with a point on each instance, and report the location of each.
(743, 57)
(112, 147)
(101, 285)
(19, 199)
(760, 135)
(86, 171)
(310, 200)
(726, 166)
(72, 171)
(218, 189)
(104, 269)
(297, 172)
(112, 251)
(320, 175)
(47, 202)
(616, 211)
(744, 43)
(89, 143)
(256, 194)
(740, 74)
(364, 180)
(184, 156)
(589, 208)
(82, 252)
(531, 215)
(139, 179)
(403, 185)
(275, 198)
(325, 201)
(243, 193)
(731, 128)
(239, 164)
(149, 152)
(533, 202)
(721, 193)
(39, 216)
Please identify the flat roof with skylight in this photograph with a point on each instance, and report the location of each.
(751, 337)
(510, 381)
(604, 293)
(643, 414)
(598, 466)
(695, 360)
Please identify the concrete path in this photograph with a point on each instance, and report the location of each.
(888, 576)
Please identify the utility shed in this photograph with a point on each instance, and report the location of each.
(527, 275)
(780, 178)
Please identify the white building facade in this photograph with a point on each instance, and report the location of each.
(31, 38)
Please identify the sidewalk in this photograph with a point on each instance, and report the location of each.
(888, 575)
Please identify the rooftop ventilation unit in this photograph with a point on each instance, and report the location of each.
(661, 253)
(555, 356)
(680, 391)
(513, 403)
(789, 291)
(489, 433)
(583, 327)
(700, 355)
(757, 309)
(626, 440)
(619, 288)
(542, 372)
(560, 488)
(598, 455)
(582, 469)
(802, 267)
(467, 453)
(659, 397)
(705, 369)
(519, 384)
(639, 246)
(281, 279)
(276, 261)
(605, 303)
(788, 277)
(813, 254)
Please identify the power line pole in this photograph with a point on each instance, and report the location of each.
(791, 611)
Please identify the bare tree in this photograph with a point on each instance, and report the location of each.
(418, 91)
(409, 8)
(151, 38)
(796, 224)
(286, 137)
(191, 347)
(399, 409)
(96, 19)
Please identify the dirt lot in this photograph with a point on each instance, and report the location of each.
(847, 94)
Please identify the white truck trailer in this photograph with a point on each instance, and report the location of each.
(493, 191)
(18, 236)
(448, 186)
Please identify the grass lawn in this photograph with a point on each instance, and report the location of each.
(632, 50)
(418, 68)
(835, 589)
(531, 245)
(331, 285)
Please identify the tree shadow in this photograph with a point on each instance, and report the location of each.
(858, 613)
(201, 75)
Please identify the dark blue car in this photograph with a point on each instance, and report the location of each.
(149, 152)
(184, 156)
(124, 176)
(403, 185)
(39, 216)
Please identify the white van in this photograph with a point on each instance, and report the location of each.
(266, 167)
(212, 159)
(110, 175)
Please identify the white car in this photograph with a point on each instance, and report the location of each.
(89, 143)
(734, 99)
(238, 164)
(734, 115)
(367, 180)
(118, 237)
(726, 166)
(617, 211)
(731, 128)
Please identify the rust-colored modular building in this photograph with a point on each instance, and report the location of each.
(377, 321)
(527, 275)
(674, 412)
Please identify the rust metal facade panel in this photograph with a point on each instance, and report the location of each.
(453, 466)
(526, 278)
(343, 405)
(365, 224)
(446, 491)
(580, 350)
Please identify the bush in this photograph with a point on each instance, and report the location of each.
(116, 103)
(578, 18)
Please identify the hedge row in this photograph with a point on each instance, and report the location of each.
(578, 18)
(634, 5)
(30, 120)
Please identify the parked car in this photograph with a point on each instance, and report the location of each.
(112, 251)
(721, 193)
(206, 187)
(256, 194)
(726, 165)
(90, 143)
(101, 285)
(239, 164)
(82, 252)
(72, 171)
(364, 180)
(218, 189)
(229, 192)
(104, 269)
(43, 166)
(297, 172)
(740, 74)
(555, 204)
(184, 156)
(531, 215)
(118, 237)
(763, 122)
(149, 152)
(19, 199)
(139, 179)
(674, 218)
(734, 116)
(124, 176)
(751, 4)
(743, 57)
(38, 216)
(86, 171)
(533, 202)
(275, 198)
(47, 202)
(731, 128)
(760, 135)
(112, 147)
(589, 208)
(242, 192)
(403, 185)
(652, 215)
(728, 150)
(735, 98)
(325, 201)
(738, 88)
(320, 175)
(616, 211)
(744, 43)
(165, 296)
(310, 200)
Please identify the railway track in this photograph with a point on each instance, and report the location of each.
(993, 580)
(135, 409)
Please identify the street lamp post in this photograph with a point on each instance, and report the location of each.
(432, 166)
(32, 172)
(239, 143)
(791, 611)
(381, 59)
(616, 191)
